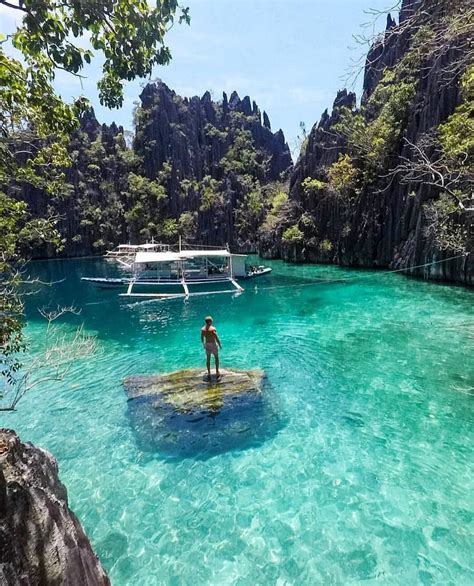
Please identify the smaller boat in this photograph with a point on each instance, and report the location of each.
(254, 272)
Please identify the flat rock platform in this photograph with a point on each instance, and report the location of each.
(183, 413)
(188, 391)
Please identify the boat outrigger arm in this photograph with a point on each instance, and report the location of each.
(186, 293)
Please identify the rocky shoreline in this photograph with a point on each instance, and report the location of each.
(42, 541)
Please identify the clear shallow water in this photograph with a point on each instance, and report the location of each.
(366, 476)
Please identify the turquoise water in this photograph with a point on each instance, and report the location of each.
(359, 470)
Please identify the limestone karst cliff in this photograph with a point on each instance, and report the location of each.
(41, 540)
(384, 183)
(196, 168)
(349, 204)
(214, 157)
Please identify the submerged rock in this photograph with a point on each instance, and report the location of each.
(41, 540)
(182, 413)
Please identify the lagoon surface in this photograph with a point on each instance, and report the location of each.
(359, 471)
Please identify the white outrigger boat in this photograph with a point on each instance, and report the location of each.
(166, 274)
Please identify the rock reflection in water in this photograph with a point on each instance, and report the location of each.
(181, 414)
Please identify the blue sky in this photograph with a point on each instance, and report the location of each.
(290, 56)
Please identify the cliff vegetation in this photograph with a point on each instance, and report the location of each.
(389, 183)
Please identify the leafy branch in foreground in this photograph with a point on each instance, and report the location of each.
(36, 125)
(18, 232)
(129, 33)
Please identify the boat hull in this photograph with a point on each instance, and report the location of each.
(122, 283)
(163, 288)
(257, 273)
(106, 283)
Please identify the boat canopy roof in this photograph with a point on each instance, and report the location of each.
(148, 246)
(200, 253)
(147, 257)
(168, 256)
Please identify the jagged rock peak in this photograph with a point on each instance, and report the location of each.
(246, 106)
(266, 121)
(153, 90)
(113, 129)
(89, 123)
(256, 110)
(155, 86)
(225, 103)
(234, 100)
(280, 136)
(324, 118)
(391, 22)
(345, 99)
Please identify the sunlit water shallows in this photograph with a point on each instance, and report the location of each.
(358, 468)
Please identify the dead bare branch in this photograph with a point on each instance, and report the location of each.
(427, 164)
(53, 364)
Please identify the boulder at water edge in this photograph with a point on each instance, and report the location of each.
(183, 414)
(41, 540)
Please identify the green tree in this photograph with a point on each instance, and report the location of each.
(146, 206)
(35, 124)
(342, 175)
(211, 195)
(187, 225)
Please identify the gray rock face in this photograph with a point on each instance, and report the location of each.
(193, 135)
(42, 542)
(386, 226)
(182, 414)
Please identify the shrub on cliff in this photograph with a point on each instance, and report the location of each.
(457, 133)
(293, 235)
(343, 175)
(313, 187)
(277, 215)
(374, 133)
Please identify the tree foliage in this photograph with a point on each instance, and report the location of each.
(293, 235)
(457, 133)
(343, 175)
(430, 47)
(277, 214)
(36, 125)
(373, 134)
(311, 187)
